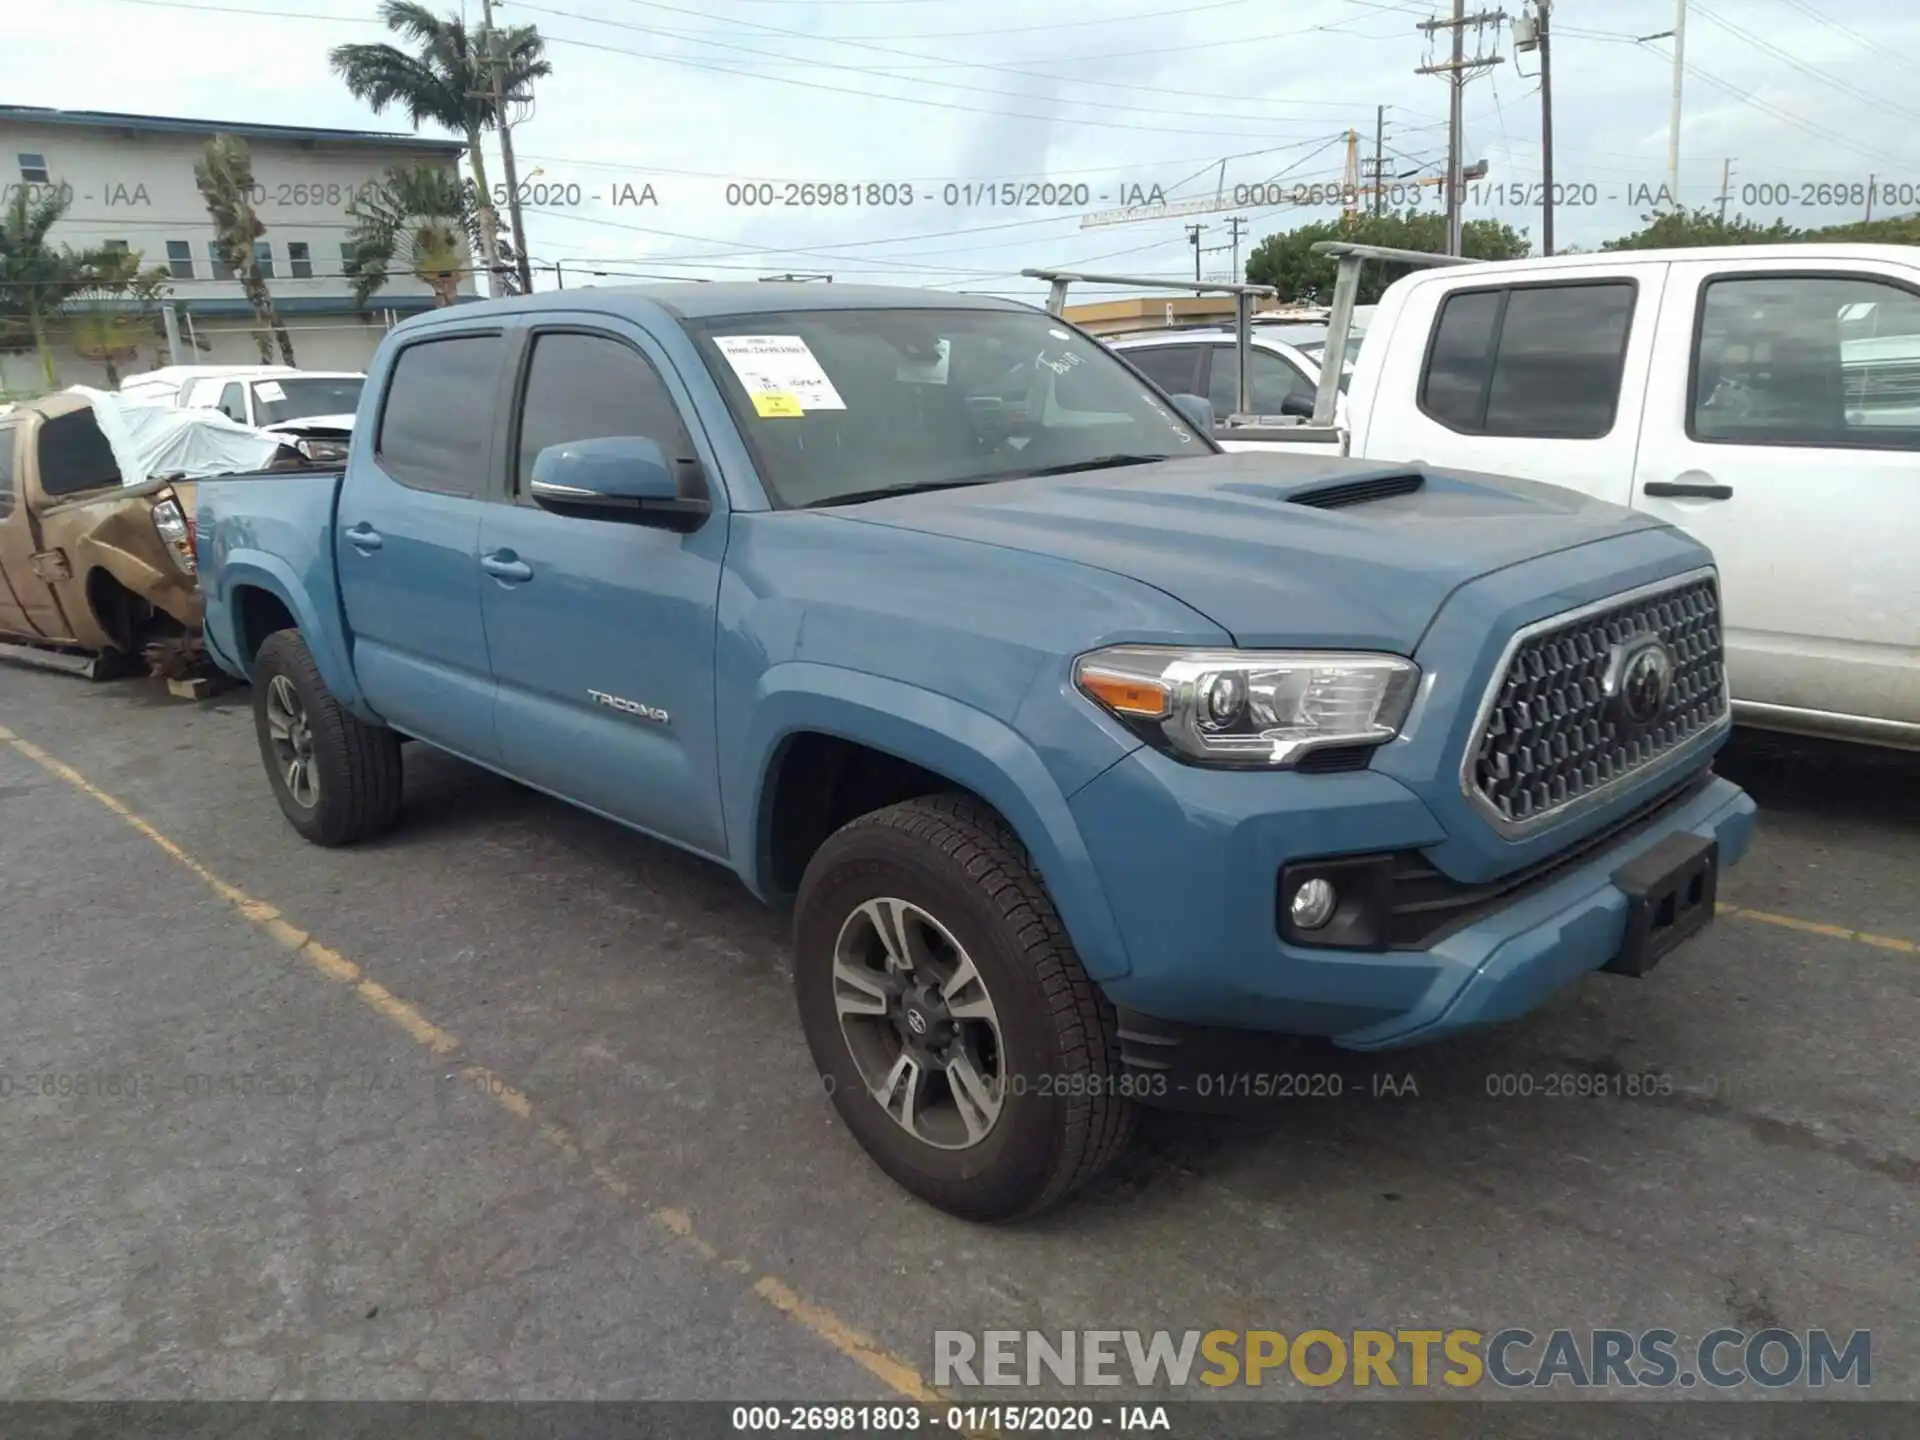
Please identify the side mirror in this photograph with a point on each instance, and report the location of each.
(1197, 409)
(1297, 404)
(621, 476)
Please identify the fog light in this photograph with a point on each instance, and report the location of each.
(1312, 904)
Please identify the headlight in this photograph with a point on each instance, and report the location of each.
(1252, 708)
(176, 532)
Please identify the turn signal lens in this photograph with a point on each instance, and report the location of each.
(1126, 695)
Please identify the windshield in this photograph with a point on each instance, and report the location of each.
(840, 404)
(296, 397)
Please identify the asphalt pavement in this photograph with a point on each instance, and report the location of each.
(514, 1103)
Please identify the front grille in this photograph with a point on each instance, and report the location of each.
(1553, 736)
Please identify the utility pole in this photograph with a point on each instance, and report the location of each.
(1456, 71)
(1726, 188)
(1193, 235)
(1673, 115)
(521, 261)
(1870, 182)
(1546, 131)
(1237, 226)
(1379, 159)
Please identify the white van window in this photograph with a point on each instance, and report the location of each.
(1807, 360)
(1530, 360)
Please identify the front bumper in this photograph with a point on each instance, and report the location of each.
(1190, 861)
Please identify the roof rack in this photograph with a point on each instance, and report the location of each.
(1243, 295)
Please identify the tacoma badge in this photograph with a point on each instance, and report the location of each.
(631, 707)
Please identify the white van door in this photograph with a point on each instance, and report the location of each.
(1538, 374)
(1783, 429)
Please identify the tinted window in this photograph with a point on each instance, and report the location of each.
(584, 387)
(74, 455)
(1540, 360)
(232, 404)
(6, 470)
(439, 408)
(180, 259)
(1453, 390)
(1270, 381)
(299, 397)
(1171, 367)
(1803, 360)
(1557, 369)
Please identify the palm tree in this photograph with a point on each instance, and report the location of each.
(224, 173)
(37, 279)
(109, 320)
(425, 217)
(449, 80)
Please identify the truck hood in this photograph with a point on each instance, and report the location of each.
(1277, 550)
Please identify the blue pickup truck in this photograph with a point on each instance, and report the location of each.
(1089, 758)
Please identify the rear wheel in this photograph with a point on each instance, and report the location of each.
(337, 778)
(962, 1042)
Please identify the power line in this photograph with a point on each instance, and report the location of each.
(941, 62)
(699, 39)
(895, 99)
(1767, 47)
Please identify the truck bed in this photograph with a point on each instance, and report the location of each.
(273, 528)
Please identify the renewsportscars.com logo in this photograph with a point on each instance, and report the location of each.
(1511, 1359)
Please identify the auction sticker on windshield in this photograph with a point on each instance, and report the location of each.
(270, 392)
(780, 374)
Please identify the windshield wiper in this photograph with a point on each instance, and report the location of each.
(1098, 462)
(913, 487)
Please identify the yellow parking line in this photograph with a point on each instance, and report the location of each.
(823, 1323)
(1814, 927)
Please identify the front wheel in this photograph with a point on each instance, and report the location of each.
(963, 1044)
(337, 778)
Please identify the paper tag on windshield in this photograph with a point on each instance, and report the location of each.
(270, 391)
(773, 405)
(782, 370)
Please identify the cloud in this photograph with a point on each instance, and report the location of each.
(922, 95)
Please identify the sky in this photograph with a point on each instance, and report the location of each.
(944, 104)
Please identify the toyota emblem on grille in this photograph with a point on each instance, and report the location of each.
(1639, 679)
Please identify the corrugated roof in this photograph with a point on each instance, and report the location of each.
(174, 124)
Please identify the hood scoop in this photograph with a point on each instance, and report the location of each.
(1364, 491)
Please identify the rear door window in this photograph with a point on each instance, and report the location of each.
(438, 413)
(1541, 361)
(1173, 368)
(74, 455)
(1270, 381)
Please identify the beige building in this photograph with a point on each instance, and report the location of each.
(131, 185)
(1114, 317)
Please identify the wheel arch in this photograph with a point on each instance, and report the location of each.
(805, 714)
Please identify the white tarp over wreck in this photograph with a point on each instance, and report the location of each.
(155, 439)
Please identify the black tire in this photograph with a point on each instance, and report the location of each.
(1061, 1121)
(357, 764)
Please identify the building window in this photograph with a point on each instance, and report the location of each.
(114, 247)
(33, 168)
(221, 269)
(299, 260)
(180, 259)
(263, 258)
